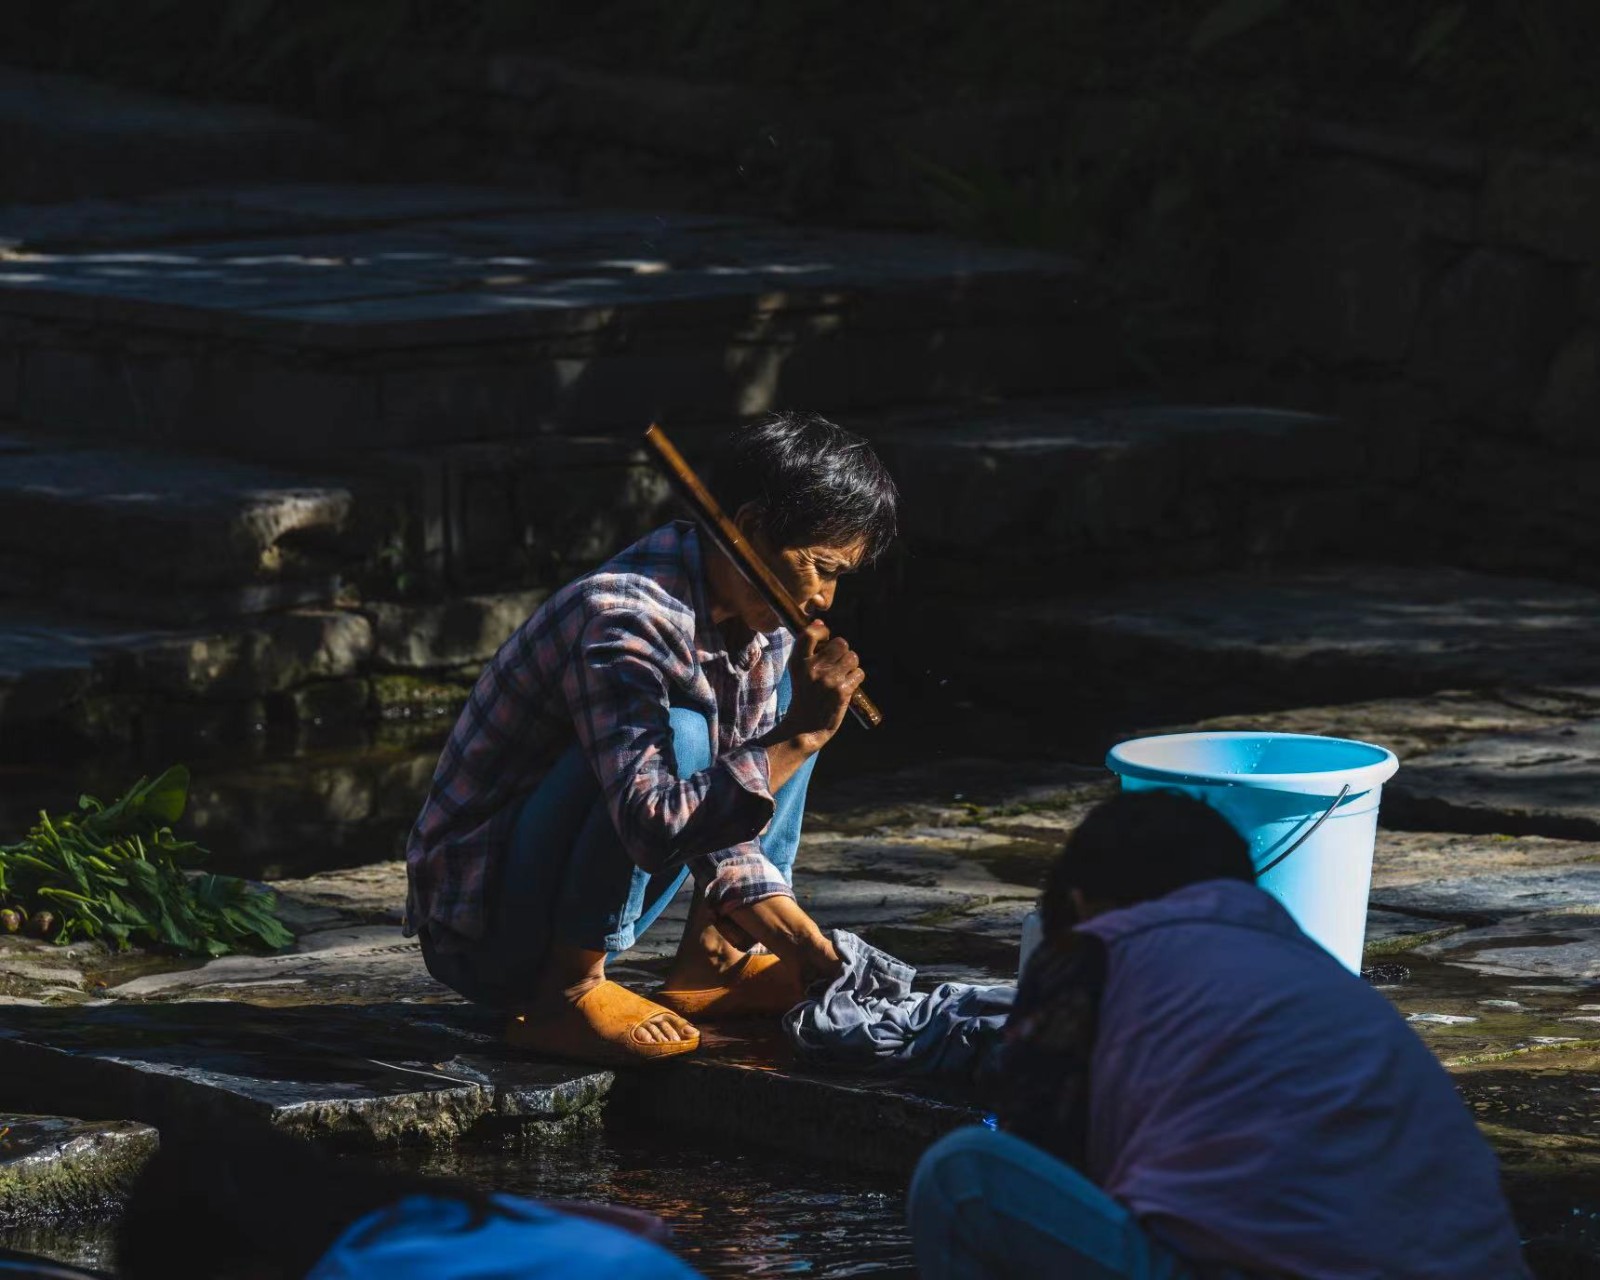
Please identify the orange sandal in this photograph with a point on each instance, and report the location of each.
(602, 1028)
(755, 986)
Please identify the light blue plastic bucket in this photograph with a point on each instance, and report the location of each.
(1307, 805)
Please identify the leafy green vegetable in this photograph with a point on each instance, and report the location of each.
(117, 872)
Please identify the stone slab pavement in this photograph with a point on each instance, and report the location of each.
(177, 520)
(1543, 781)
(1310, 638)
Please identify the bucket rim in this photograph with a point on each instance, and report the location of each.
(1362, 777)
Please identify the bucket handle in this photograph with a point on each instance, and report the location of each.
(1308, 833)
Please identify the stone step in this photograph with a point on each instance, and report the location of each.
(174, 539)
(68, 137)
(475, 326)
(1126, 487)
(1232, 643)
(49, 663)
(992, 494)
(131, 531)
(67, 670)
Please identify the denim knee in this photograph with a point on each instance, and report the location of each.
(949, 1170)
(691, 741)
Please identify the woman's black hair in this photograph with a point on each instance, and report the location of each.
(815, 483)
(247, 1200)
(1142, 845)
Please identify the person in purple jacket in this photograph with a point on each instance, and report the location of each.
(1192, 1087)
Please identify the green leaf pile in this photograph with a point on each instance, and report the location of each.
(117, 872)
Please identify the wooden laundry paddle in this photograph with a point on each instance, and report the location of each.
(726, 535)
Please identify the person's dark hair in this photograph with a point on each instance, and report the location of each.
(815, 483)
(247, 1200)
(1142, 845)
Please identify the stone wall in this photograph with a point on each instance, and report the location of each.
(1462, 283)
(1469, 274)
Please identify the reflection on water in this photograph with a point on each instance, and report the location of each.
(77, 1242)
(733, 1214)
(738, 1215)
(1562, 1237)
(290, 810)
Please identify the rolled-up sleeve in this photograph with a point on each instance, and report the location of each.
(617, 690)
(740, 875)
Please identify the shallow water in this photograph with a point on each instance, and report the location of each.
(733, 1214)
(79, 1242)
(756, 1215)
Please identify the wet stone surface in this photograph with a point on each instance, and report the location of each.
(1468, 1017)
(351, 964)
(1390, 932)
(1545, 782)
(1559, 945)
(369, 1074)
(55, 1166)
(385, 1074)
(1496, 896)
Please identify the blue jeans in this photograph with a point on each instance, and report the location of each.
(986, 1204)
(568, 880)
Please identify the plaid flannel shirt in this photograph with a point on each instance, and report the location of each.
(600, 663)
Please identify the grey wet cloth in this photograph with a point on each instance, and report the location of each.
(870, 1018)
